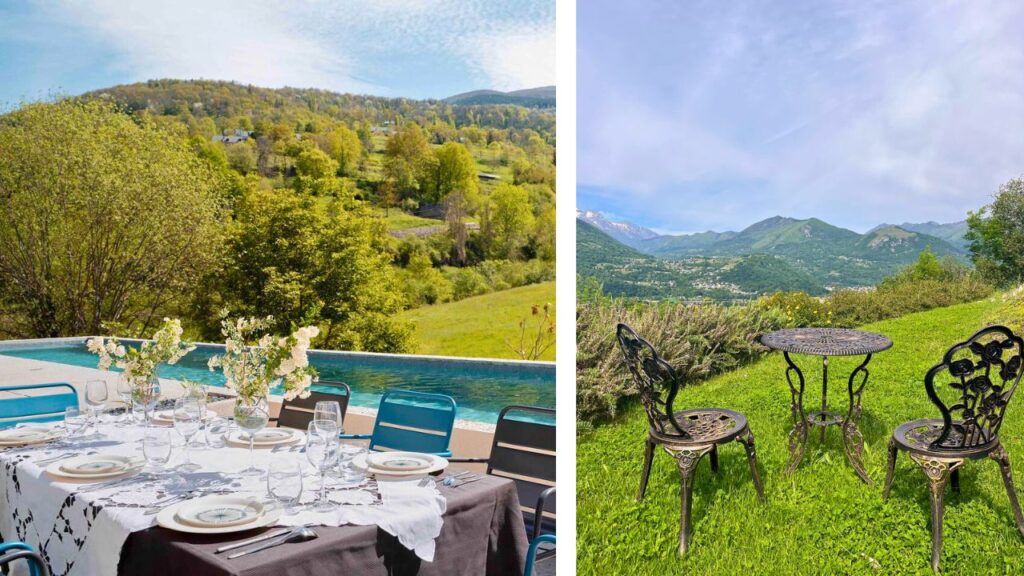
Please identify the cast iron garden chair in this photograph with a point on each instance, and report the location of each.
(412, 422)
(975, 380)
(47, 406)
(298, 413)
(687, 435)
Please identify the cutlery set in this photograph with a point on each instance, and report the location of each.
(456, 480)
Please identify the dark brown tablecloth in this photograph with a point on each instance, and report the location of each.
(483, 533)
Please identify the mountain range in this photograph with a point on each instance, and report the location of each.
(778, 253)
(542, 97)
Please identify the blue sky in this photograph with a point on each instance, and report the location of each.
(705, 115)
(412, 48)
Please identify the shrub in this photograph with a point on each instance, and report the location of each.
(698, 340)
(467, 282)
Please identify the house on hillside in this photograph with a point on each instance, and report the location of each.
(233, 138)
(488, 176)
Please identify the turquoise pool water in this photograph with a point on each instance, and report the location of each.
(480, 388)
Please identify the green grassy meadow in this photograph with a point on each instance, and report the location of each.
(822, 519)
(479, 326)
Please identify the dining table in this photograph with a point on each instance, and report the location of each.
(471, 524)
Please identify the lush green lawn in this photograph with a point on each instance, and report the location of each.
(399, 220)
(821, 519)
(479, 326)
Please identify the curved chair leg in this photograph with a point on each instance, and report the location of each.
(890, 467)
(686, 459)
(713, 456)
(747, 439)
(1000, 456)
(937, 471)
(954, 481)
(648, 458)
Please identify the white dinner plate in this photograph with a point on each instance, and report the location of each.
(399, 461)
(167, 416)
(26, 435)
(94, 467)
(266, 437)
(220, 511)
(168, 518)
(437, 464)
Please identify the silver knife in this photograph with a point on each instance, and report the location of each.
(261, 538)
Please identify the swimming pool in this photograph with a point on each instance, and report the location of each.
(480, 387)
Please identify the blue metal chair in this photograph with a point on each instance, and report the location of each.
(11, 551)
(531, 555)
(412, 422)
(39, 408)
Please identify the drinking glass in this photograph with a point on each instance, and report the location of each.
(349, 472)
(217, 430)
(284, 481)
(74, 421)
(198, 393)
(187, 420)
(124, 391)
(95, 397)
(148, 395)
(322, 452)
(157, 446)
(328, 411)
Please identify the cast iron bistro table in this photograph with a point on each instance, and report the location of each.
(826, 342)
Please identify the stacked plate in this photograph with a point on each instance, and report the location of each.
(266, 438)
(218, 514)
(167, 416)
(25, 435)
(94, 467)
(400, 463)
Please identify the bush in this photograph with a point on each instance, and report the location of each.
(466, 282)
(698, 340)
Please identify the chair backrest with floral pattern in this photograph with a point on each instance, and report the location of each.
(984, 371)
(652, 376)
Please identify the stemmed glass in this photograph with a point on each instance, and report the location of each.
(284, 481)
(322, 452)
(95, 397)
(198, 394)
(217, 430)
(328, 411)
(148, 395)
(251, 419)
(188, 417)
(157, 447)
(124, 391)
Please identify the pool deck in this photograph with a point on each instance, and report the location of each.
(470, 439)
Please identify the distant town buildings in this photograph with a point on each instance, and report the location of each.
(233, 138)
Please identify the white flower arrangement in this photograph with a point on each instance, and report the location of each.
(251, 365)
(139, 364)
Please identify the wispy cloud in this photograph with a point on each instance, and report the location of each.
(417, 48)
(711, 115)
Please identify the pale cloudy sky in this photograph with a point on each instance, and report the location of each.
(412, 48)
(704, 115)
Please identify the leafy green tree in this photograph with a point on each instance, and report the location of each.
(512, 219)
(450, 168)
(242, 156)
(302, 261)
(315, 170)
(996, 234)
(405, 152)
(104, 218)
(343, 145)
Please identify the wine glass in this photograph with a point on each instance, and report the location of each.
(328, 411)
(322, 452)
(217, 430)
(124, 391)
(157, 446)
(350, 473)
(74, 421)
(284, 481)
(95, 397)
(197, 392)
(148, 395)
(187, 421)
(251, 418)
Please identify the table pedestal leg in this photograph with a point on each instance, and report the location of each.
(853, 440)
(798, 435)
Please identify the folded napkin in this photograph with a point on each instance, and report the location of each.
(411, 511)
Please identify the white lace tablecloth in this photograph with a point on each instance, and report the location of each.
(80, 533)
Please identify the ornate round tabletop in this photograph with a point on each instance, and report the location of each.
(826, 341)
